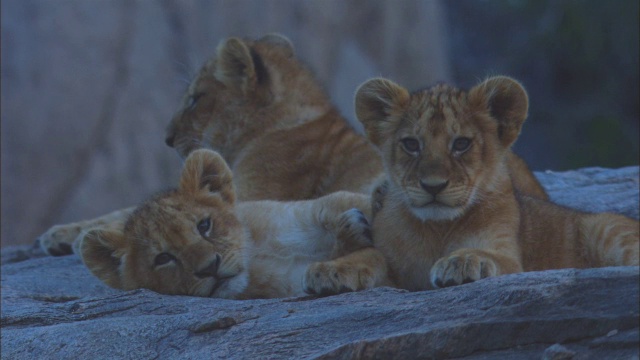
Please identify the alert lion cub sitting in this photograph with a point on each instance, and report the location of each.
(447, 212)
(197, 240)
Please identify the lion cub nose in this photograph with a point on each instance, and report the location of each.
(170, 139)
(433, 188)
(211, 270)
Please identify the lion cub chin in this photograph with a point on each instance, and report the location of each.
(447, 212)
(197, 240)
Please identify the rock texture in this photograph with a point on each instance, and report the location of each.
(595, 189)
(54, 308)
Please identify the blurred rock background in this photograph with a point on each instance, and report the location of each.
(88, 86)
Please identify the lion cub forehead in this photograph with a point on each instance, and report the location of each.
(440, 98)
(164, 216)
(439, 107)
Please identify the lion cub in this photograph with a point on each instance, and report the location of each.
(256, 104)
(197, 240)
(448, 213)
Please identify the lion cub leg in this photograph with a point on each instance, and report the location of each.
(356, 264)
(610, 239)
(467, 265)
(63, 239)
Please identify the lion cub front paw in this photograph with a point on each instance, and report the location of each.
(354, 233)
(59, 239)
(462, 267)
(328, 278)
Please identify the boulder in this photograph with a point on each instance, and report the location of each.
(54, 308)
(595, 189)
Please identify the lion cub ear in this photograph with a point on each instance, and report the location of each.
(279, 41)
(205, 170)
(235, 67)
(102, 252)
(507, 102)
(379, 105)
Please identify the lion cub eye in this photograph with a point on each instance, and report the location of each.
(410, 145)
(163, 258)
(204, 227)
(461, 144)
(193, 100)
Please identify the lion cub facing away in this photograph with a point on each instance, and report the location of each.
(258, 106)
(197, 240)
(448, 213)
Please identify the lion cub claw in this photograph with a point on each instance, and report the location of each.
(462, 267)
(341, 275)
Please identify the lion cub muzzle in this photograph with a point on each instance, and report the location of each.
(210, 270)
(433, 187)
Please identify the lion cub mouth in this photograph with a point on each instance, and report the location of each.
(435, 210)
(220, 284)
(444, 206)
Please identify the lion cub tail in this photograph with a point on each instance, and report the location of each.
(610, 239)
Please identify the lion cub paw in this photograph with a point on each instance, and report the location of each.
(343, 274)
(329, 278)
(462, 267)
(377, 197)
(353, 233)
(59, 239)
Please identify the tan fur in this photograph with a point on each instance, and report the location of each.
(257, 105)
(63, 239)
(257, 249)
(448, 213)
(263, 111)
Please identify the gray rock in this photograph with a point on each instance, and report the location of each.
(54, 308)
(524, 313)
(595, 189)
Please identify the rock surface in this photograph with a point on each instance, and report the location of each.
(54, 308)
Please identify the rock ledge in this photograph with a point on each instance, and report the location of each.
(54, 308)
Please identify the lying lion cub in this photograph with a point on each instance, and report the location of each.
(197, 240)
(257, 105)
(448, 213)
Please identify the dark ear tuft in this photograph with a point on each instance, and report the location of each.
(507, 102)
(379, 104)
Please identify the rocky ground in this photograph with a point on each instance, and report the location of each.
(54, 308)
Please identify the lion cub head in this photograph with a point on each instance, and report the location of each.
(443, 148)
(246, 89)
(186, 241)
